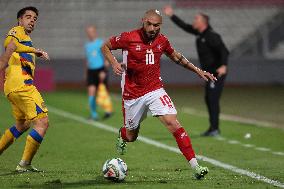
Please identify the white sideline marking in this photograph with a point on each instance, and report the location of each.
(229, 117)
(241, 120)
(220, 138)
(248, 145)
(233, 142)
(217, 163)
(262, 149)
(278, 153)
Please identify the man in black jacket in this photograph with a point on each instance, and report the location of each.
(213, 57)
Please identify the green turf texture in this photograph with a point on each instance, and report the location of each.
(72, 153)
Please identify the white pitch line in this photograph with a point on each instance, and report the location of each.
(241, 120)
(278, 153)
(233, 142)
(248, 145)
(220, 138)
(229, 117)
(232, 168)
(262, 149)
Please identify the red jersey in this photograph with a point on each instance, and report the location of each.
(142, 61)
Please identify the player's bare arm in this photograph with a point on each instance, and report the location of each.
(179, 59)
(117, 67)
(4, 58)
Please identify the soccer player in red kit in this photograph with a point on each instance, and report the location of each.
(142, 88)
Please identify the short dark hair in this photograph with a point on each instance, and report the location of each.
(205, 17)
(23, 11)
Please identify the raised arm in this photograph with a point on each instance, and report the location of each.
(4, 58)
(179, 59)
(20, 47)
(25, 49)
(168, 10)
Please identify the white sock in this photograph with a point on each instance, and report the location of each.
(193, 163)
(24, 163)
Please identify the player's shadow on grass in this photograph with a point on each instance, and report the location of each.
(98, 181)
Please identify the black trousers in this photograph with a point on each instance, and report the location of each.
(213, 91)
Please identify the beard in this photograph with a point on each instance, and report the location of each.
(29, 29)
(151, 35)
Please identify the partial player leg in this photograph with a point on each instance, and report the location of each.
(182, 139)
(92, 101)
(125, 136)
(184, 143)
(161, 106)
(18, 129)
(212, 98)
(12, 134)
(33, 142)
(33, 105)
(133, 113)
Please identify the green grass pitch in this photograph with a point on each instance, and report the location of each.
(72, 153)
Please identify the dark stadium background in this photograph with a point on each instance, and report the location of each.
(252, 29)
(249, 152)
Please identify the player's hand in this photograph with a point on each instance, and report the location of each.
(222, 70)
(206, 76)
(117, 68)
(168, 10)
(42, 54)
(11, 46)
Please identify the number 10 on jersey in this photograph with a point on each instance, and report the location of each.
(149, 57)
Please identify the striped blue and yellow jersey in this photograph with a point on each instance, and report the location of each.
(21, 65)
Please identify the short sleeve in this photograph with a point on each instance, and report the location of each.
(13, 33)
(120, 41)
(168, 49)
(16, 32)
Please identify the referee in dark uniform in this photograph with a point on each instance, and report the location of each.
(213, 57)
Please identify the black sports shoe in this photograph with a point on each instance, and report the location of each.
(107, 115)
(213, 133)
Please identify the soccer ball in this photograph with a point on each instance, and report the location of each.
(115, 169)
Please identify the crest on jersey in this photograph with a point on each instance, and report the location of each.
(12, 32)
(117, 38)
(159, 47)
(138, 48)
(212, 85)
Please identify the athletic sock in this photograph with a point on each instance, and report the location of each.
(103, 98)
(193, 162)
(123, 134)
(9, 137)
(32, 144)
(93, 106)
(185, 146)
